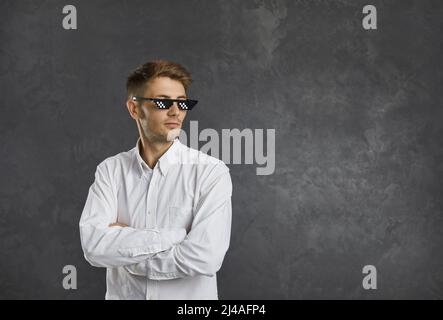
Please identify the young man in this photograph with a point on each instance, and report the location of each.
(158, 216)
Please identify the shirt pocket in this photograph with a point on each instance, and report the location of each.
(180, 217)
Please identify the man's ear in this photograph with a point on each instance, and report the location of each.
(132, 108)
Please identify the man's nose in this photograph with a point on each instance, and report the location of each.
(174, 108)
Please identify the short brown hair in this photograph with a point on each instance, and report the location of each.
(137, 79)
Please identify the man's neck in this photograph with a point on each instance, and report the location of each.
(151, 151)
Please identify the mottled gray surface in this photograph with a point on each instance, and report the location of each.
(359, 148)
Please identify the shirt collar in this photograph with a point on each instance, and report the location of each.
(171, 156)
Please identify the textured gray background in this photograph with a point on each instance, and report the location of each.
(358, 118)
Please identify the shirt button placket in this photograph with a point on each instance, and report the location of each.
(152, 200)
(153, 197)
(148, 289)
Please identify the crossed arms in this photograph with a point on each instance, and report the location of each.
(163, 253)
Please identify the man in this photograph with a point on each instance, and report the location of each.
(158, 216)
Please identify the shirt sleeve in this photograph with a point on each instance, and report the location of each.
(203, 250)
(111, 247)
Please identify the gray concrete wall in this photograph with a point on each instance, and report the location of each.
(358, 149)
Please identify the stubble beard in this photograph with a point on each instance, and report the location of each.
(159, 138)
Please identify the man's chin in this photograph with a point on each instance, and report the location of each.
(172, 134)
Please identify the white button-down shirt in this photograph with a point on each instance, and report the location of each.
(179, 217)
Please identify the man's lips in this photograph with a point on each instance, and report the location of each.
(172, 124)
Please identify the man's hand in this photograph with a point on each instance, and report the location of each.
(118, 224)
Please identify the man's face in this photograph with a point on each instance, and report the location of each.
(153, 122)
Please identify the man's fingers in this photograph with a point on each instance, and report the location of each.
(118, 224)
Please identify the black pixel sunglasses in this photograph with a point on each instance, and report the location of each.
(187, 104)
